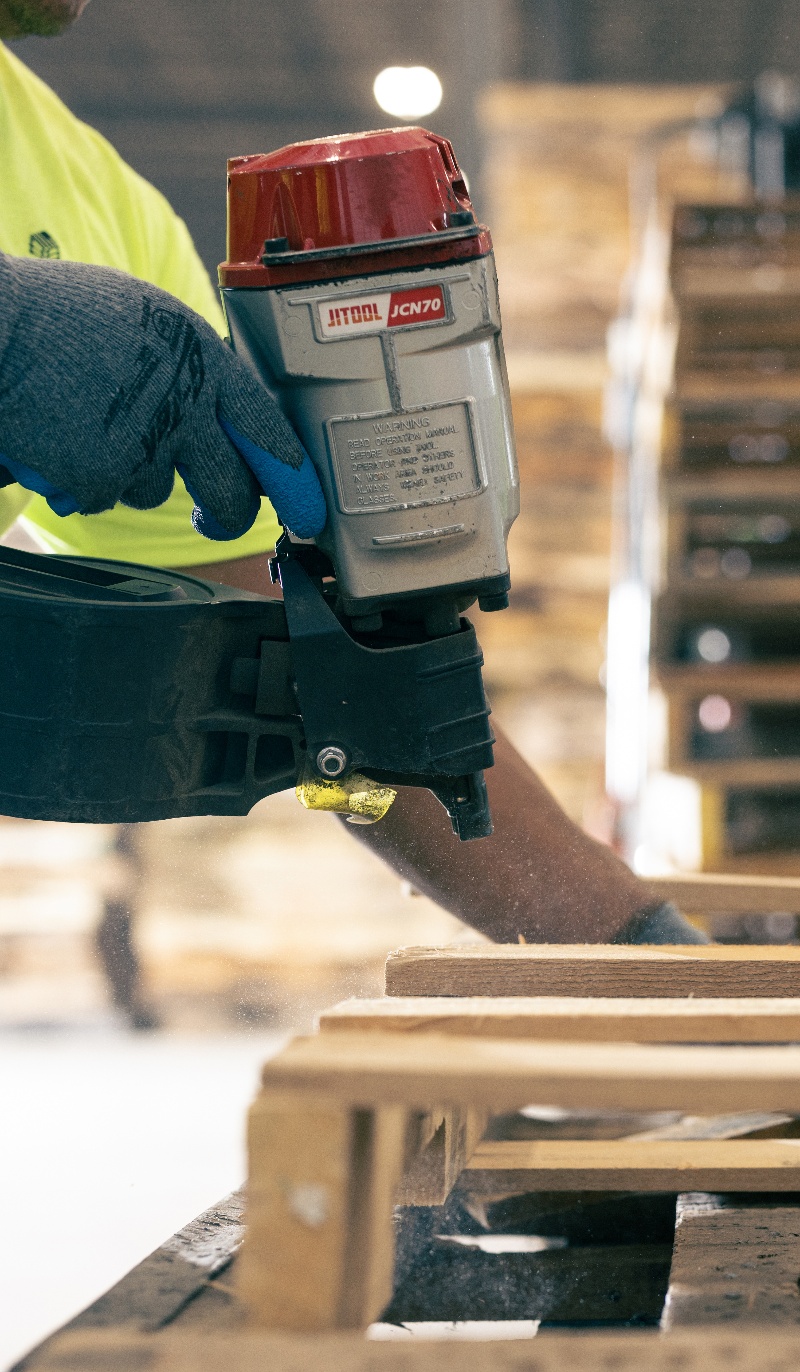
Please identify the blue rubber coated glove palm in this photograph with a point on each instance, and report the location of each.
(108, 386)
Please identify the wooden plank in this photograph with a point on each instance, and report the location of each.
(750, 1124)
(426, 1158)
(634, 1165)
(594, 970)
(421, 1070)
(783, 861)
(368, 1259)
(601, 1020)
(698, 1350)
(322, 1176)
(732, 483)
(699, 387)
(756, 771)
(706, 893)
(751, 593)
(488, 1188)
(709, 284)
(744, 680)
(734, 1261)
(433, 1170)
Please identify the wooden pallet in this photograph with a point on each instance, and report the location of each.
(757, 764)
(695, 442)
(737, 381)
(733, 1265)
(390, 1101)
(336, 1129)
(688, 536)
(329, 1144)
(774, 850)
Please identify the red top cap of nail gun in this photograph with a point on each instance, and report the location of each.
(348, 206)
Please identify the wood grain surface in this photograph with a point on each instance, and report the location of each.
(322, 1176)
(735, 1261)
(698, 1350)
(590, 969)
(708, 893)
(610, 1019)
(635, 1165)
(422, 1070)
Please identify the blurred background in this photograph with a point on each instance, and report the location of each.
(145, 972)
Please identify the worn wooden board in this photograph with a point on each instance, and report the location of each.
(594, 970)
(740, 772)
(749, 1124)
(732, 483)
(745, 389)
(708, 893)
(612, 1019)
(742, 681)
(634, 1165)
(421, 1070)
(322, 1177)
(698, 1350)
(736, 1261)
(432, 1170)
(486, 1188)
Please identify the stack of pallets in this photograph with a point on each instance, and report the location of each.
(728, 639)
(414, 1099)
(512, 1139)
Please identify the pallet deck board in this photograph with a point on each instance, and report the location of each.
(735, 1260)
(634, 1165)
(730, 894)
(762, 681)
(421, 1071)
(595, 970)
(696, 1350)
(599, 1019)
(740, 772)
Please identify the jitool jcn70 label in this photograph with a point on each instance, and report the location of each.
(384, 310)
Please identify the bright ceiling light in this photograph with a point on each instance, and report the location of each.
(408, 92)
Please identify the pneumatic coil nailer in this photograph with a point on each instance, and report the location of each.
(361, 289)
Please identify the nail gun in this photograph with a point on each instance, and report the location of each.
(361, 289)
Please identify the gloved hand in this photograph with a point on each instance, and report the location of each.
(660, 923)
(108, 385)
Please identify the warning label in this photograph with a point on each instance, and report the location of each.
(397, 461)
(385, 310)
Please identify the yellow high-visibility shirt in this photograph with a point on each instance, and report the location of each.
(65, 192)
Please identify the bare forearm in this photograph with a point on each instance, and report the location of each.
(538, 876)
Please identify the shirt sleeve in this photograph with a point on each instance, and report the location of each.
(13, 500)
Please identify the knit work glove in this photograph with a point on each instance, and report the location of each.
(109, 385)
